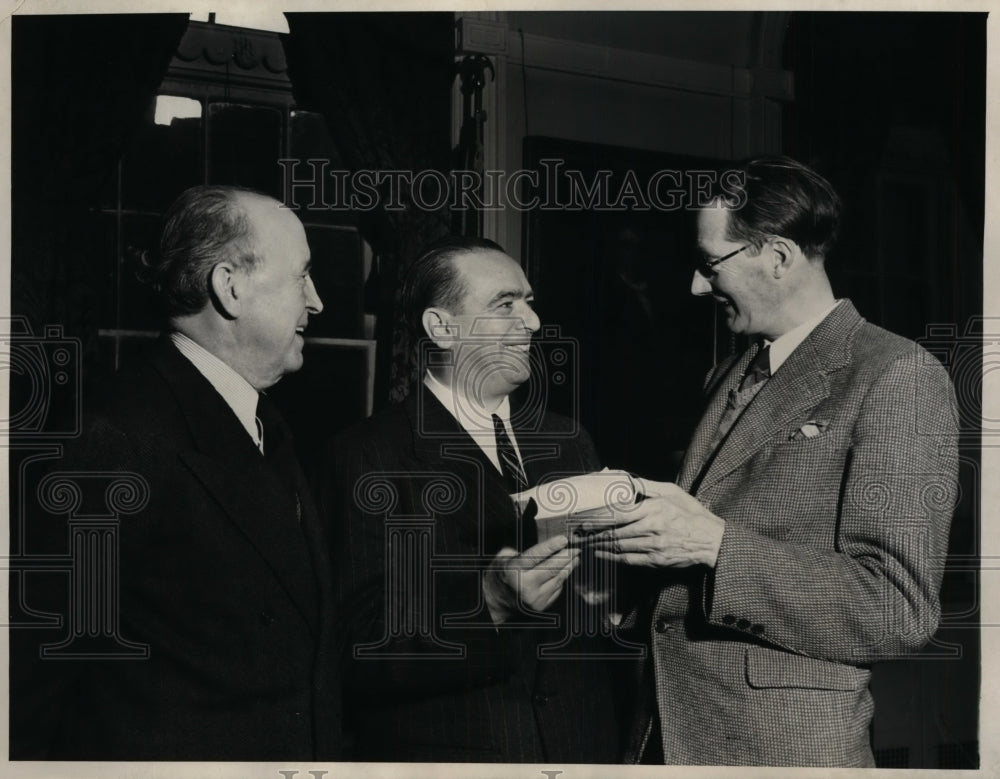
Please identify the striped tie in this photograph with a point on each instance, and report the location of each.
(514, 477)
(515, 480)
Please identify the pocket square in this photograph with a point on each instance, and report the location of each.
(810, 429)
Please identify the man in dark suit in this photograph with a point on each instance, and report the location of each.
(223, 575)
(806, 535)
(461, 639)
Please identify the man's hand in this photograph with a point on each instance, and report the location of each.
(533, 578)
(669, 529)
(655, 489)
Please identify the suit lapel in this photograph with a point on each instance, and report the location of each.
(226, 461)
(784, 396)
(437, 434)
(441, 443)
(541, 455)
(801, 383)
(698, 452)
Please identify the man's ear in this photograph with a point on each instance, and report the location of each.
(224, 281)
(439, 327)
(786, 253)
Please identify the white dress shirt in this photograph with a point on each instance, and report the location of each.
(474, 419)
(239, 395)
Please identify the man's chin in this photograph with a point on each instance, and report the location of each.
(515, 378)
(734, 322)
(505, 381)
(294, 362)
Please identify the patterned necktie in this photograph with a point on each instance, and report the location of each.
(514, 477)
(759, 369)
(515, 480)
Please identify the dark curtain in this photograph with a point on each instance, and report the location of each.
(382, 82)
(80, 84)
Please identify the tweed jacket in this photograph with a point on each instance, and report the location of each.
(837, 485)
(427, 675)
(223, 576)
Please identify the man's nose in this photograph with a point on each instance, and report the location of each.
(531, 320)
(313, 303)
(700, 285)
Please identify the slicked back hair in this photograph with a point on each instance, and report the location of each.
(433, 279)
(785, 198)
(205, 225)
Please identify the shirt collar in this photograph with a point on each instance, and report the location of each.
(238, 393)
(783, 346)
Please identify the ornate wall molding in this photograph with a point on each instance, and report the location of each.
(220, 52)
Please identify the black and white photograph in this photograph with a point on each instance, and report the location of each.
(523, 392)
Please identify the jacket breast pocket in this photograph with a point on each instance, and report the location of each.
(803, 462)
(770, 668)
(793, 441)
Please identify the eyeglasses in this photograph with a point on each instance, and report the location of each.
(707, 267)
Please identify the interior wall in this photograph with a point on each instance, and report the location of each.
(646, 81)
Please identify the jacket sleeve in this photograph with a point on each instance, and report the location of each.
(875, 594)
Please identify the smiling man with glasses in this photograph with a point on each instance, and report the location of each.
(798, 545)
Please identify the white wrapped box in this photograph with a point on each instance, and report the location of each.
(582, 502)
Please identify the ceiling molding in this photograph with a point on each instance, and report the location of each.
(606, 62)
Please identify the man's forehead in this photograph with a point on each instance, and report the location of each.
(277, 232)
(713, 223)
(263, 208)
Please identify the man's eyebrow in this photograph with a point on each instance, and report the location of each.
(508, 294)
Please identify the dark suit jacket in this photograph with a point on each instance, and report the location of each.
(217, 576)
(831, 559)
(428, 676)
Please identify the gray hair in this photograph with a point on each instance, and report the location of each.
(204, 226)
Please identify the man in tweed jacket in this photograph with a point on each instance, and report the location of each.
(806, 535)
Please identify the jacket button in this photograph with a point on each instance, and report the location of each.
(661, 626)
(743, 624)
(729, 619)
(756, 629)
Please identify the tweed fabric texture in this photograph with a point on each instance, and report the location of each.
(831, 559)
